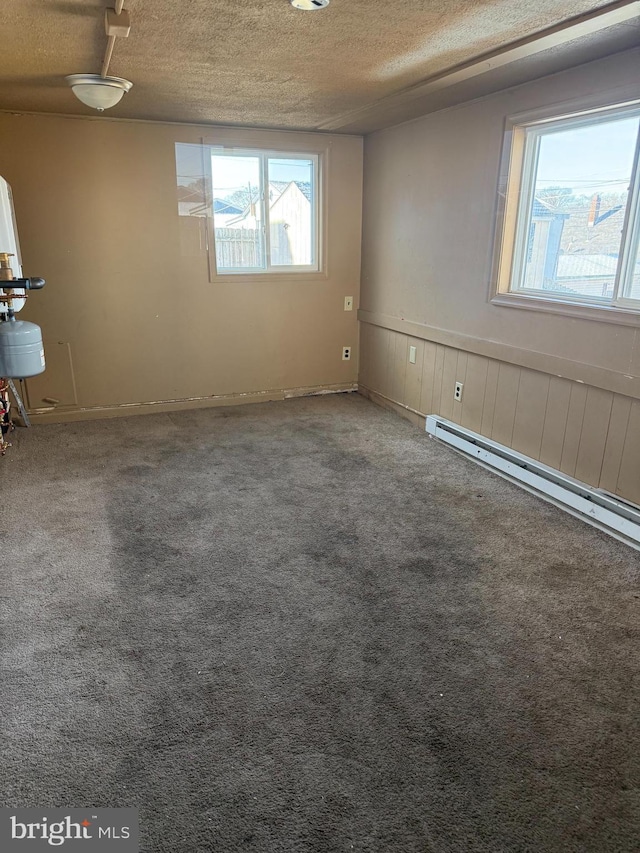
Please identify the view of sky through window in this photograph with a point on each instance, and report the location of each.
(589, 159)
(578, 206)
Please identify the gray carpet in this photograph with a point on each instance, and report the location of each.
(307, 627)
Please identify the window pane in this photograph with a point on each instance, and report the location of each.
(634, 285)
(193, 194)
(191, 182)
(633, 278)
(237, 212)
(291, 212)
(575, 220)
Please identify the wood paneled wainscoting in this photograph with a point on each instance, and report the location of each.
(588, 432)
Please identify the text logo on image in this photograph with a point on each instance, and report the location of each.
(102, 830)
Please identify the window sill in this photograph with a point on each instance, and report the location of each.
(266, 277)
(583, 311)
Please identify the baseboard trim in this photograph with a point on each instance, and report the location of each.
(606, 511)
(123, 410)
(415, 417)
(600, 509)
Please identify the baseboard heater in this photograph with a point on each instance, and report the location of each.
(599, 508)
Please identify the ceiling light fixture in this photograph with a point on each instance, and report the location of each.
(309, 5)
(99, 90)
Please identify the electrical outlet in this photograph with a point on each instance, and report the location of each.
(412, 355)
(457, 394)
(348, 303)
(346, 353)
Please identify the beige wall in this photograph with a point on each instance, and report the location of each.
(129, 313)
(561, 389)
(587, 432)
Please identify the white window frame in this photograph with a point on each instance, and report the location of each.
(517, 177)
(314, 270)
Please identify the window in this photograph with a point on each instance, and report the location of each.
(264, 211)
(571, 221)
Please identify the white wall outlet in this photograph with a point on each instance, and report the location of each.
(457, 394)
(348, 303)
(346, 353)
(412, 355)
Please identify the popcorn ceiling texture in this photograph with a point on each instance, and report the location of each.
(254, 63)
(306, 627)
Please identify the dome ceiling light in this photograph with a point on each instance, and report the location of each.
(309, 5)
(99, 90)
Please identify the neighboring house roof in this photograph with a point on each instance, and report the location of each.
(587, 266)
(597, 238)
(278, 187)
(187, 192)
(221, 205)
(245, 213)
(192, 208)
(191, 200)
(541, 210)
(305, 189)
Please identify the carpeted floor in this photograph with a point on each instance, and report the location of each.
(307, 627)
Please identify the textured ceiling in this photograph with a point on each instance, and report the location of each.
(254, 63)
